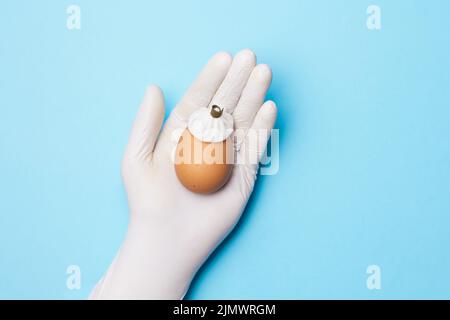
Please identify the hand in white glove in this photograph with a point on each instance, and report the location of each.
(172, 231)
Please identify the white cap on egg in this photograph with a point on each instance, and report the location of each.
(211, 124)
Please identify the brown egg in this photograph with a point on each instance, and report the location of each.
(203, 167)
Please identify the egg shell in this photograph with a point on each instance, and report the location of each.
(197, 174)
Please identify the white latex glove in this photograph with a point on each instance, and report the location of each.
(172, 231)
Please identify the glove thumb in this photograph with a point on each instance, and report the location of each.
(147, 125)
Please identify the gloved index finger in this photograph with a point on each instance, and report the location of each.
(205, 86)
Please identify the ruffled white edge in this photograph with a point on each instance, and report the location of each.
(208, 129)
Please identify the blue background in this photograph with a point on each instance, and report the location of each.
(364, 127)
